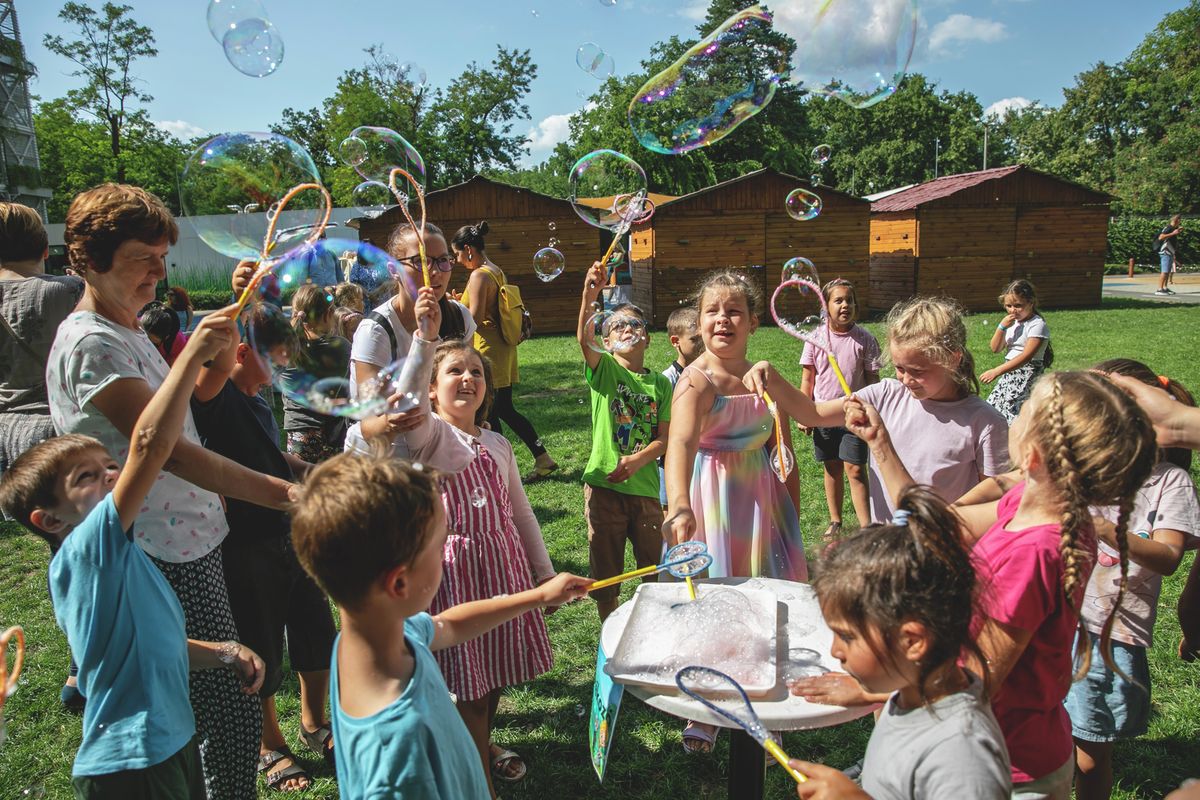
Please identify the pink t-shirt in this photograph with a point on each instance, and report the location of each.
(1167, 500)
(1020, 575)
(946, 445)
(857, 353)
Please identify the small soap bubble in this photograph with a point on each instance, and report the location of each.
(714, 87)
(553, 242)
(609, 3)
(614, 177)
(548, 264)
(34, 792)
(800, 269)
(478, 497)
(372, 198)
(802, 205)
(592, 59)
(553, 226)
(611, 332)
(374, 152)
(579, 710)
(533, 12)
(822, 153)
(814, 179)
(412, 73)
(254, 47)
(782, 466)
(224, 15)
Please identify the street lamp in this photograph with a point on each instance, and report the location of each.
(246, 209)
(937, 153)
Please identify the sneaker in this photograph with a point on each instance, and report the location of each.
(1170, 291)
(1163, 292)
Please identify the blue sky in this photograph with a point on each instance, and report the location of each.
(1002, 50)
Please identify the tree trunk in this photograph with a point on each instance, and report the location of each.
(114, 135)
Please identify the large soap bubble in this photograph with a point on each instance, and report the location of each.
(614, 332)
(802, 205)
(235, 173)
(374, 152)
(254, 47)
(800, 269)
(718, 84)
(548, 264)
(855, 50)
(615, 179)
(224, 15)
(372, 198)
(592, 59)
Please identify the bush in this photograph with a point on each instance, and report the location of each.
(209, 299)
(1134, 237)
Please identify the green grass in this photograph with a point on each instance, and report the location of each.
(542, 720)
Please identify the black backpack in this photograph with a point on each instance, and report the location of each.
(454, 326)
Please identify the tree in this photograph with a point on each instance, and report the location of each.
(109, 44)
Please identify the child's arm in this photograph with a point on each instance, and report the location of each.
(593, 284)
(158, 427)
(808, 382)
(299, 466)
(628, 465)
(997, 343)
(762, 377)
(214, 373)
(688, 403)
(1002, 645)
(235, 655)
(1032, 345)
(825, 783)
(1161, 553)
(466, 621)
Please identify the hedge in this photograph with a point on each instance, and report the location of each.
(1135, 237)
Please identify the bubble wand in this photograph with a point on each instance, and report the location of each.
(266, 263)
(683, 561)
(807, 330)
(8, 678)
(402, 200)
(774, 409)
(693, 681)
(642, 210)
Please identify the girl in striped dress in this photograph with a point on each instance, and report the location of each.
(494, 544)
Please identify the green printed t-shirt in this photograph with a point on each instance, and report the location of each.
(626, 410)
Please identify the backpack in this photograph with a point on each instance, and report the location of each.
(515, 323)
(453, 325)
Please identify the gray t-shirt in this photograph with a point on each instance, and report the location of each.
(953, 748)
(33, 308)
(1019, 333)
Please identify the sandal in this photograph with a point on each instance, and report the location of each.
(501, 758)
(540, 474)
(698, 738)
(832, 533)
(276, 779)
(320, 742)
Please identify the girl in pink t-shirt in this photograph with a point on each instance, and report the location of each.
(838, 450)
(1078, 442)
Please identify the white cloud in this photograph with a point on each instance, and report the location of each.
(549, 132)
(958, 29)
(181, 129)
(695, 10)
(1000, 108)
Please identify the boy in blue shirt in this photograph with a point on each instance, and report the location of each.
(122, 620)
(371, 532)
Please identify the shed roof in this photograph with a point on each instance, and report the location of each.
(946, 186)
(749, 176)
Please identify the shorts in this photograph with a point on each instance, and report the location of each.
(1104, 707)
(178, 778)
(614, 518)
(1165, 260)
(839, 444)
(269, 592)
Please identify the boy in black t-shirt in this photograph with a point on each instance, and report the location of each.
(268, 590)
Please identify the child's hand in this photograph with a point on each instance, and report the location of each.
(863, 421)
(626, 466)
(1008, 320)
(563, 588)
(429, 314)
(213, 334)
(679, 527)
(404, 421)
(990, 375)
(758, 377)
(825, 783)
(807, 431)
(593, 284)
(830, 689)
(250, 668)
(243, 273)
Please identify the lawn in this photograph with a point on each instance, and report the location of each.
(544, 720)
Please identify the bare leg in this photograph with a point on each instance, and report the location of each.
(860, 493)
(1093, 770)
(834, 492)
(314, 686)
(513, 767)
(475, 714)
(272, 739)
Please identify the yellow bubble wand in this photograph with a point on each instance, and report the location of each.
(8, 677)
(811, 336)
(402, 201)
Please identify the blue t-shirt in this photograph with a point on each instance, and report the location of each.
(125, 628)
(418, 747)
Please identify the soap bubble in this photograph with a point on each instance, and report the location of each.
(782, 467)
(553, 226)
(814, 179)
(800, 269)
(854, 50)
(608, 2)
(235, 172)
(254, 47)
(695, 551)
(616, 258)
(373, 152)
(822, 153)
(802, 204)
(372, 198)
(534, 13)
(718, 84)
(797, 309)
(478, 497)
(610, 332)
(224, 15)
(548, 264)
(592, 59)
(553, 242)
(412, 73)
(613, 186)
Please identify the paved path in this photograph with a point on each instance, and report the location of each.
(1141, 287)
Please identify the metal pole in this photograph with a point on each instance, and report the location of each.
(985, 144)
(937, 153)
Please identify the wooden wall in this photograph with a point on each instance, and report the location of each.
(893, 247)
(966, 253)
(1062, 251)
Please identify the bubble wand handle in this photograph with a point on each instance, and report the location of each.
(628, 576)
(8, 678)
(691, 587)
(402, 201)
(774, 409)
(777, 753)
(617, 234)
(837, 370)
(265, 262)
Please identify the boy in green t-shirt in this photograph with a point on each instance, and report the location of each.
(631, 409)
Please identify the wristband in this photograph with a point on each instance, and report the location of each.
(1001, 327)
(227, 652)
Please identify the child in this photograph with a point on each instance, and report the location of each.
(1025, 338)
(311, 436)
(1078, 442)
(1107, 706)
(631, 415)
(495, 545)
(899, 599)
(372, 533)
(346, 322)
(268, 590)
(161, 325)
(351, 296)
(683, 327)
(121, 618)
(838, 450)
(177, 300)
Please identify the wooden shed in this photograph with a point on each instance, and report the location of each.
(968, 235)
(519, 223)
(742, 223)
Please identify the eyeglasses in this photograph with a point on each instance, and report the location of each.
(441, 263)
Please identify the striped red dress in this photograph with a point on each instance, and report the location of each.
(483, 558)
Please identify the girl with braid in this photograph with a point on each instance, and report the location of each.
(1078, 442)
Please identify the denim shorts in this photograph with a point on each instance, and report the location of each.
(1165, 260)
(839, 444)
(1105, 707)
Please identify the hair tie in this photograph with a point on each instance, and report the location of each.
(1164, 381)
(474, 230)
(900, 518)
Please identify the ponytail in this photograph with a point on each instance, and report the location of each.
(471, 236)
